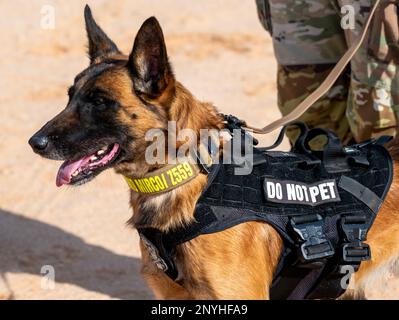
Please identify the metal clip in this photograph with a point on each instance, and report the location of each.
(315, 245)
(356, 252)
(154, 254)
(355, 229)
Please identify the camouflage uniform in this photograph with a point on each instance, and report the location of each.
(308, 40)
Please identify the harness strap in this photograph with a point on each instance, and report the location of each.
(161, 250)
(362, 193)
(324, 87)
(302, 289)
(333, 154)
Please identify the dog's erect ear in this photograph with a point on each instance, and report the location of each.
(148, 61)
(99, 43)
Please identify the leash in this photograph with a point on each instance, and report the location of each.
(324, 87)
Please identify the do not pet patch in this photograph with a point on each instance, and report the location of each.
(294, 192)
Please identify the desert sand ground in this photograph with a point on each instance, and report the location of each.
(219, 51)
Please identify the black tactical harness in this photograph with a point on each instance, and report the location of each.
(322, 203)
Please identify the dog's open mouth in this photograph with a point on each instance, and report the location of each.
(79, 171)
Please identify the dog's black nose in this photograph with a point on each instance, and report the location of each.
(38, 143)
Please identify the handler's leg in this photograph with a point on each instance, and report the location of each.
(374, 90)
(295, 83)
(308, 41)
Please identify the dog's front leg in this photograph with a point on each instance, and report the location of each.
(165, 288)
(160, 284)
(237, 263)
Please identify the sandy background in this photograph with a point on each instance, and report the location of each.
(219, 51)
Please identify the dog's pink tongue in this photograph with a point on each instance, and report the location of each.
(64, 175)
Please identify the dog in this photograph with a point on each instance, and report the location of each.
(112, 104)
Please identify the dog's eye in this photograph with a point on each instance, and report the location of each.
(98, 101)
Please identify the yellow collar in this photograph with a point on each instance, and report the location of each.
(165, 179)
(173, 176)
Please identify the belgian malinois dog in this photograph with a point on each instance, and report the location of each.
(112, 104)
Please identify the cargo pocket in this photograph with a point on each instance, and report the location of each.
(264, 14)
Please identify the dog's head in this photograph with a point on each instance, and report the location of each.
(111, 106)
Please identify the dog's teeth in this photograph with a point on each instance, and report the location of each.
(93, 158)
(104, 148)
(100, 152)
(75, 174)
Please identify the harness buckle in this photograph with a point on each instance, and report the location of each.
(355, 229)
(356, 251)
(310, 230)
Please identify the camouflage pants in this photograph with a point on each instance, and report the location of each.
(308, 40)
